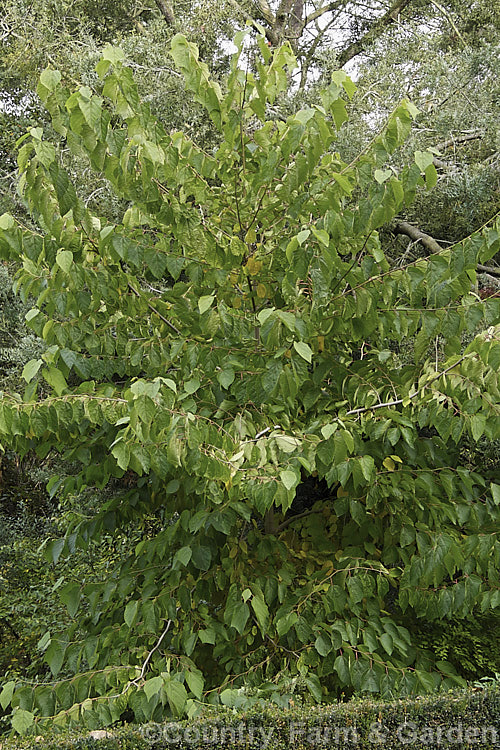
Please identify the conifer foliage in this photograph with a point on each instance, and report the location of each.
(240, 332)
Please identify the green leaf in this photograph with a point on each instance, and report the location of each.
(426, 680)
(56, 379)
(7, 222)
(343, 182)
(7, 693)
(240, 616)
(287, 443)
(22, 720)
(341, 666)
(477, 425)
(226, 378)
(261, 611)
(381, 175)
(322, 236)
(70, 596)
(121, 452)
(323, 644)
(387, 643)
(153, 686)
(314, 686)
(202, 557)
(205, 303)
(191, 386)
(113, 54)
(195, 683)
(130, 612)
(54, 656)
(31, 368)
(43, 642)
(431, 176)
(303, 349)
(495, 492)
(182, 556)
(423, 159)
(176, 695)
(50, 78)
(64, 260)
(289, 479)
(367, 467)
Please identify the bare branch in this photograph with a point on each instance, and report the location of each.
(495, 270)
(321, 11)
(415, 234)
(266, 12)
(359, 46)
(403, 227)
(459, 139)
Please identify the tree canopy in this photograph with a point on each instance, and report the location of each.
(236, 333)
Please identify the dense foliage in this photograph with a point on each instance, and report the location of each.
(238, 333)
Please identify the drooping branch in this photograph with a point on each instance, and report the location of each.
(165, 8)
(359, 46)
(416, 234)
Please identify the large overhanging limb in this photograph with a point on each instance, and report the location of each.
(416, 234)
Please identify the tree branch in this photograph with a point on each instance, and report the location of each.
(411, 396)
(450, 20)
(495, 270)
(459, 139)
(266, 12)
(153, 309)
(321, 11)
(269, 31)
(354, 49)
(415, 234)
(288, 521)
(165, 8)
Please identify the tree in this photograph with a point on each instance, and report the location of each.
(238, 333)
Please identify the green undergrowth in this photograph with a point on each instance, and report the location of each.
(464, 719)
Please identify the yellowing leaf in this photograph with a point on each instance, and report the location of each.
(253, 266)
